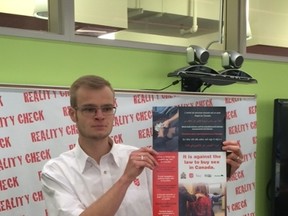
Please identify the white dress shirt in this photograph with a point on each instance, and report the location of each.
(73, 181)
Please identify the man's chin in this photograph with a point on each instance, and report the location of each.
(99, 136)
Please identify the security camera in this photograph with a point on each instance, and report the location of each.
(197, 55)
(232, 59)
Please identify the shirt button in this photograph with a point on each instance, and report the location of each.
(105, 172)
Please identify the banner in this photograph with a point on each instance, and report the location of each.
(35, 127)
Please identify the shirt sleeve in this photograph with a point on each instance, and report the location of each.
(60, 198)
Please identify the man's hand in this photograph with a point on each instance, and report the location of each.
(235, 156)
(138, 160)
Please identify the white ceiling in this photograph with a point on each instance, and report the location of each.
(269, 20)
(22, 7)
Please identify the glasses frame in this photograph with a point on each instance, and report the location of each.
(91, 111)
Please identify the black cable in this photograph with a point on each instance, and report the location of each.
(173, 83)
(206, 86)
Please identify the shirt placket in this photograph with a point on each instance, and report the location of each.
(106, 174)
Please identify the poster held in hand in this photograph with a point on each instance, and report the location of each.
(191, 177)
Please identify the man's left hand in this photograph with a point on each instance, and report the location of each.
(235, 156)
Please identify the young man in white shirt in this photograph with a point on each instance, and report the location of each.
(98, 177)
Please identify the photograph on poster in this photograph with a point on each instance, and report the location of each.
(202, 199)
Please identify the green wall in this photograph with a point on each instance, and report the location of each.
(39, 62)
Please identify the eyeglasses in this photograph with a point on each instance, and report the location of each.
(90, 111)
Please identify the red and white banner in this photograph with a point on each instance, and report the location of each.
(35, 127)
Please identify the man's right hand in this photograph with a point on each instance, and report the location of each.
(138, 160)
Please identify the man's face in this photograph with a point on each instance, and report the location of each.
(94, 113)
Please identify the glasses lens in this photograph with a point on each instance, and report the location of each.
(107, 110)
(90, 111)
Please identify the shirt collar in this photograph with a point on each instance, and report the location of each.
(83, 158)
(115, 153)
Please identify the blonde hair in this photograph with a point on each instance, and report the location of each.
(88, 81)
(201, 188)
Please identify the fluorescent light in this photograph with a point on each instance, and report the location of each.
(109, 36)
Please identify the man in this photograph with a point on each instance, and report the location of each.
(98, 177)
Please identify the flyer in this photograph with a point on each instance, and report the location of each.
(191, 176)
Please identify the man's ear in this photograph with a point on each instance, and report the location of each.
(72, 114)
(115, 103)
